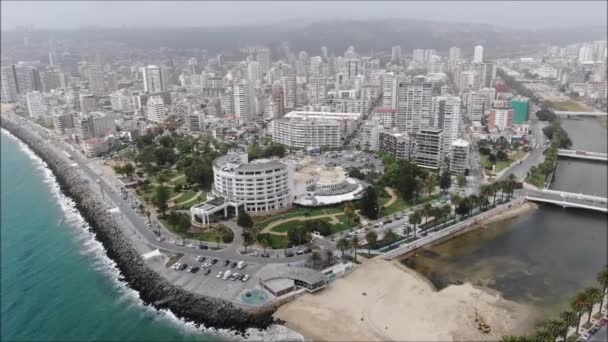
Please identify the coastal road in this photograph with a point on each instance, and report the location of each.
(135, 225)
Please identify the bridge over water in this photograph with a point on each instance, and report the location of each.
(582, 155)
(567, 199)
(574, 113)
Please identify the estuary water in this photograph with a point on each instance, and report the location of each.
(542, 257)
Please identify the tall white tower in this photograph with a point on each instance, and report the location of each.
(478, 54)
(153, 79)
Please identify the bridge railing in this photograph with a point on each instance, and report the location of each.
(563, 194)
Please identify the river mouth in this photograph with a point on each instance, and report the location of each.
(540, 258)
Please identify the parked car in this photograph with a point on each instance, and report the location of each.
(265, 255)
(200, 258)
(245, 277)
(203, 247)
(226, 262)
(193, 269)
(241, 265)
(219, 274)
(207, 271)
(233, 265)
(234, 276)
(255, 254)
(214, 261)
(289, 254)
(299, 252)
(226, 274)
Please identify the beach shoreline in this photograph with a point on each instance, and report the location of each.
(392, 290)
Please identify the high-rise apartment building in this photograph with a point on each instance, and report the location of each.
(262, 56)
(454, 54)
(253, 72)
(36, 105)
(418, 56)
(476, 106)
(500, 118)
(94, 74)
(10, 88)
(446, 114)
(153, 79)
(389, 90)
(288, 83)
(413, 106)
(478, 54)
(396, 53)
(317, 90)
(459, 157)
(156, 109)
(244, 105)
(429, 148)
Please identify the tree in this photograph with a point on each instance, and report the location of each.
(349, 211)
(390, 237)
(595, 296)
(430, 183)
(542, 334)
(264, 243)
(557, 328)
(183, 223)
(356, 173)
(201, 172)
(372, 240)
(461, 180)
(427, 210)
(464, 206)
(164, 156)
(166, 141)
(217, 240)
(128, 169)
(445, 181)
(254, 152)
(244, 220)
(173, 219)
(415, 218)
(354, 243)
(602, 278)
(579, 305)
(369, 203)
(570, 319)
(342, 244)
(161, 197)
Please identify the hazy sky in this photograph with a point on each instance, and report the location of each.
(75, 14)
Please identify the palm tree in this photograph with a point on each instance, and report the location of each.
(217, 240)
(372, 240)
(494, 187)
(485, 190)
(595, 296)
(557, 328)
(342, 244)
(579, 305)
(354, 243)
(570, 319)
(438, 214)
(427, 209)
(542, 334)
(474, 200)
(415, 218)
(447, 210)
(602, 278)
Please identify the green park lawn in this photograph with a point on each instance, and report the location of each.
(344, 224)
(502, 164)
(275, 241)
(185, 196)
(261, 222)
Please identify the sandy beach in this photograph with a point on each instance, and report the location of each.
(401, 305)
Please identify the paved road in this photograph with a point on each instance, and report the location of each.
(600, 335)
(134, 224)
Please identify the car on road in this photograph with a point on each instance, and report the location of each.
(191, 245)
(265, 255)
(178, 266)
(193, 269)
(179, 243)
(201, 246)
(254, 254)
(299, 252)
(289, 254)
(245, 277)
(207, 271)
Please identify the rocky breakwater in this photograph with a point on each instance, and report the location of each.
(153, 289)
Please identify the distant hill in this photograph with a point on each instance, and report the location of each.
(336, 35)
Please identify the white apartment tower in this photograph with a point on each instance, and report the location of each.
(156, 109)
(459, 157)
(454, 54)
(396, 53)
(413, 106)
(244, 105)
(389, 90)
(288, 83)
(153, 79)
(478, 54)
(35, 105)
(446, 114)
(253, 72)
(94, 73)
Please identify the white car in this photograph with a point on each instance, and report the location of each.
(219, 275)
(226, 275)
(245, 278)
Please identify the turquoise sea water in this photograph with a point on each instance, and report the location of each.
(57, 283)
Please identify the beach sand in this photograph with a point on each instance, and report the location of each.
(402, 305)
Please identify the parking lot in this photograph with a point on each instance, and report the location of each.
(208, 285)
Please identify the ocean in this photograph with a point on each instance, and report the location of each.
(57, 282)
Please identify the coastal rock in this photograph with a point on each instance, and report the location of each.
(152, 288)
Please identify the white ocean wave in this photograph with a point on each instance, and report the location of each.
(102, 263)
